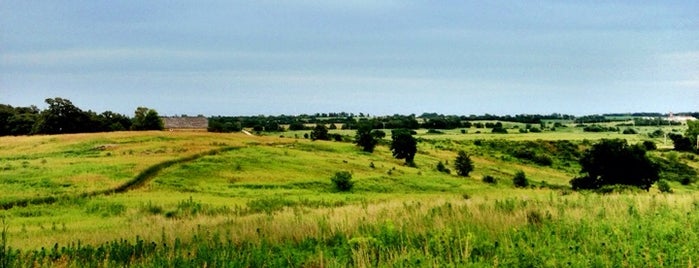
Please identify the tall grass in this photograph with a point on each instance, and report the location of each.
(269, 203)
(574, 230)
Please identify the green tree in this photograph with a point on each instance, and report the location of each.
(6, 112)
(612, 162)
(403, 145)
(320, 132)
(61, 117)
(296, 126)
(367, 137)
(463, 164)
(681, 143)
(146, 119)
(117, 121)
(692, 132)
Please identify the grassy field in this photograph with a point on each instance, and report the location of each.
(206, 199)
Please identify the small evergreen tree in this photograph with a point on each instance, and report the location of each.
(463, 164)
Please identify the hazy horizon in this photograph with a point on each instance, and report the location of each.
(373, 57)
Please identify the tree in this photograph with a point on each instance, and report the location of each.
(146, 119)
(320, 132)
(367, 137)
(693, 132)
(681, 143)
(463, 164)
(61, 117)
(6, 112)
(403, 145)
(296, 126)
(17, 120)
(612, 162)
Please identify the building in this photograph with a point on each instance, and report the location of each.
(198, 123)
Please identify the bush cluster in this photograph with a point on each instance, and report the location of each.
(342, 181)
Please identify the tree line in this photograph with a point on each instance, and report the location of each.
(351, 121)
(63, 117)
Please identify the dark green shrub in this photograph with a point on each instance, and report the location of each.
(342, 181)
(681, 143)
(649, 145)
(611, 162)
(490, 179)
(664, 186)
(686, 181)
(520, 179)
(442, 168)
(499, 130)
(630, 131)
(656, 134)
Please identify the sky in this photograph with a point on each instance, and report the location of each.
(370, 56)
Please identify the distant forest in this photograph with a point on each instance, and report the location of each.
(61, 117)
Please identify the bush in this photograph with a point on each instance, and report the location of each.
(442, 168)
(664, 186)
(656, 134)
(342, 181)
(649, 145)
(681, 143)
(520, 179)
(611, 162)
(499, 130)
(630, 131)
(490, 179)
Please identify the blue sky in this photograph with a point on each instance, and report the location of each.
(377, 57)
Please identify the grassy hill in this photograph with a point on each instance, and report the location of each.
(194, 199)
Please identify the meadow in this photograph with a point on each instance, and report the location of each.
(193, 199)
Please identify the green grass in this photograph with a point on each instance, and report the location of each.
(270, 202)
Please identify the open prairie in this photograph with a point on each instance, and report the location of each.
(207, 199)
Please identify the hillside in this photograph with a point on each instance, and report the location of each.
(177, 187)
